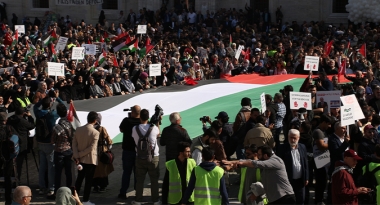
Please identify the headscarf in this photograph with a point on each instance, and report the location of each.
(64, 197)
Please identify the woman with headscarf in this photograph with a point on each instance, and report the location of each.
(102, 170)
(65, 197)
(40, 93)
(79, 87)
(105, 87)
(94, 90)
(20, 98)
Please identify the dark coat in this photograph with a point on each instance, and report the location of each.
(336, 148)
(284, 152)
(22, 127)
(171, 136)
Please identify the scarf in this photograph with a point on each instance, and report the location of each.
(64, 197)
(128, 84)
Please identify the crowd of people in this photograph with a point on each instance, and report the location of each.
(191, 46)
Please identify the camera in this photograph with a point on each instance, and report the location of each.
(204, 119)
(316, 79)
(287, 88)
(158, 112)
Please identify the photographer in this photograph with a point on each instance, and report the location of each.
(22, 122)
(323, 83)
(225, 135)
(172, 135)
(129, 151)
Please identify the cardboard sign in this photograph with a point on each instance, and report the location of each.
(78, 53)
(311, 63)
(155, 70)
(238, 52)
(230, 51)
(20, 28)
(100, 46)
(347, 115)
(351, 100)
(322, 160)
(300, 100)
(263, 103)
(328, 99)
(61, 44)
(56, 69)
(141, 29)
(90, 49)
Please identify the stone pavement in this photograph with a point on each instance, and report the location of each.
(110, 196)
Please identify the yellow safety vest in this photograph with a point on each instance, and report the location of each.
(371, 167)
(242, 180)
(207, 184)
(175, 186)
(23, 103)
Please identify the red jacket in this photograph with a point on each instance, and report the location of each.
(343, 187)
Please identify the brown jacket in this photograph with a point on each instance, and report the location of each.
(259, 135)
(103, 170)
(220, 154)
(239, 119)
(85, 144)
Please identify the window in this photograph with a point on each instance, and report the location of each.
(110, 4)
(262, 5)
(339, 6)
(40, 4)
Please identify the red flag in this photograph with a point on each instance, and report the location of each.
(8, 39)
(147, 42)
(342, 69)
(128, 40)
(72, 116)
(54, 35)
(105, 34)
(230, 40)
(247, 55)
(16, 35)
(101, 39)
(115, 61)
(190, 81)
(363, 50)
(327, 49)
(88, 41)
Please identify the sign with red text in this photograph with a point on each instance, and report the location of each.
(311, 63)
(351, 100)
(300, 100)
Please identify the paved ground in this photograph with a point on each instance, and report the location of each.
(110, 197)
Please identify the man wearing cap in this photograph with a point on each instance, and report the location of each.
(239, 125)
(226, 133)
(343, 187)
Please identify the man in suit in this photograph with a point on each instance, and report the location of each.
(85, 153)
(294, 156)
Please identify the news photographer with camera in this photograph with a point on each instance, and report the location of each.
(172, 135)
(128, 146)
(225, 135)
(22, 121)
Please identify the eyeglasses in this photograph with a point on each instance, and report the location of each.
(29, 196)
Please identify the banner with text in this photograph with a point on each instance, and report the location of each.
(300, 100)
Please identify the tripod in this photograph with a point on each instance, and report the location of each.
(26, 162)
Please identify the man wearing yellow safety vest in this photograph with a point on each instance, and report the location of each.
(207, 182)
(177, 176)
(248, 176)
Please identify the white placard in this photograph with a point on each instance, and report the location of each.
(322, 160)
(56, 69)
(90, 49)
(328, 99)
(61, 44)
(155, 70)
(238, 52)
(351, 100)
(347, 115)
(263, 103)
(20, 28)
(300, 100)
(141, 29)
(311, 63)
(78, 53)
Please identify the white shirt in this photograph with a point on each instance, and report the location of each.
(296, 163)
(152, 136)
(192, 17)
(197, 156)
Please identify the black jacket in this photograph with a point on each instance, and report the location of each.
(126, 127)
(336, 148)
(171, 136)
(284, 152)
(22, 127)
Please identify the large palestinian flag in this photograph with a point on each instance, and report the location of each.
(207, 98)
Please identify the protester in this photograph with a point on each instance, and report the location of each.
(64, 196)
(85, 151)
(22, 195)
(199, 143)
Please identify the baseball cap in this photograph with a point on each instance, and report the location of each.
(222, 115)
(352, 153)
(367, 127)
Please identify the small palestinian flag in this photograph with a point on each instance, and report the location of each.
(101, 59)
(53, 53)
(72, 116)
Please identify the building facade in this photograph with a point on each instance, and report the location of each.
(331, 11)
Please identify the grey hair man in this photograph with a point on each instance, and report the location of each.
(22, 195)
(172, 135)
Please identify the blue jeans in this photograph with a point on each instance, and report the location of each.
(129, 159)
(46, 151)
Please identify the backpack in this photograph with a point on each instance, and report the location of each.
(145, 149)
(13, 146)
(42, 130)
(368, 180)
